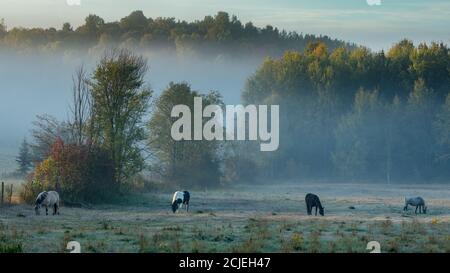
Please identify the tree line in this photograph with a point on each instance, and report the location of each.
(214, 35)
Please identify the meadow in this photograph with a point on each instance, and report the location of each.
(244, 218)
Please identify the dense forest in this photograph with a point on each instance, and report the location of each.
(357, 114)
(346, 113)
(213, 35)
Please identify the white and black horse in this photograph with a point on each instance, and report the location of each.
(47, 199)
(179, 199)
(417, 202)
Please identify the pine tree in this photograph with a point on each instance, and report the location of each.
(24, 158)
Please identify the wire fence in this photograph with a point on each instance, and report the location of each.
(6, 194)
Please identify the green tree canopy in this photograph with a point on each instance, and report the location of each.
(120, 101)
(185, 162)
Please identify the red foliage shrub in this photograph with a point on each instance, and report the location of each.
(77, 172)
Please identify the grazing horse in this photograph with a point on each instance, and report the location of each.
(313, 200)
(417, 202)
(47, 199)
(179, 199)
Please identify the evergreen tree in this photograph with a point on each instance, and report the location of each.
(24, 159)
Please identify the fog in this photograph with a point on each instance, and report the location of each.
(34, 84)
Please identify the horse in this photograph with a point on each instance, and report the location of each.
(47, 199)
(417, 202)
(313, 200)
(179, 199)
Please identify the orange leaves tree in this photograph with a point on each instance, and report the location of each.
(80, 173)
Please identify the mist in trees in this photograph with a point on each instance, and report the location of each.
(93, 155)
(185, 163)
(358, 115)
(219, 46)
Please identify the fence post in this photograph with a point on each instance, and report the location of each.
(3, 192)
(10, 195)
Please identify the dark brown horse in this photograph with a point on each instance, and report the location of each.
(313, 200)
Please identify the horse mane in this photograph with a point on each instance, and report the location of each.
(41, 197)
(319, 203)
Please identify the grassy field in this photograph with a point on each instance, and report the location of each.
(266, 218)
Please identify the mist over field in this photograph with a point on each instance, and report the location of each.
(37, 65)
(36, 83)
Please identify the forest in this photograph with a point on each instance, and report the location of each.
(347, 113)
(218, 34)
(357, 114)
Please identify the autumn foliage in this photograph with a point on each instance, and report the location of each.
(78, 172)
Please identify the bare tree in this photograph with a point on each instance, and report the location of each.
(81, 107)
(46, 130)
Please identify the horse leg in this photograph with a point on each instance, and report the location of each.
(316, 210)
(416, 209)
(46, 210)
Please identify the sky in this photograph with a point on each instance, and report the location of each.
(375, 26)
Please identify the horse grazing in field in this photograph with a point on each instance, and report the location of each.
(313, 200)
(417, 202)
(179, 199)
(47, 199)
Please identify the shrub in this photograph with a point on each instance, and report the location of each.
(80, 173)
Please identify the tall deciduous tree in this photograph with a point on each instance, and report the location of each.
(81, 108)
(421, 110)
(185, 162)
(359, 137)
(120, 102)
(136, 21)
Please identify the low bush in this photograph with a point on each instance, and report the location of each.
(80, 173)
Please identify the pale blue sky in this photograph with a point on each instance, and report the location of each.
(353, 20)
